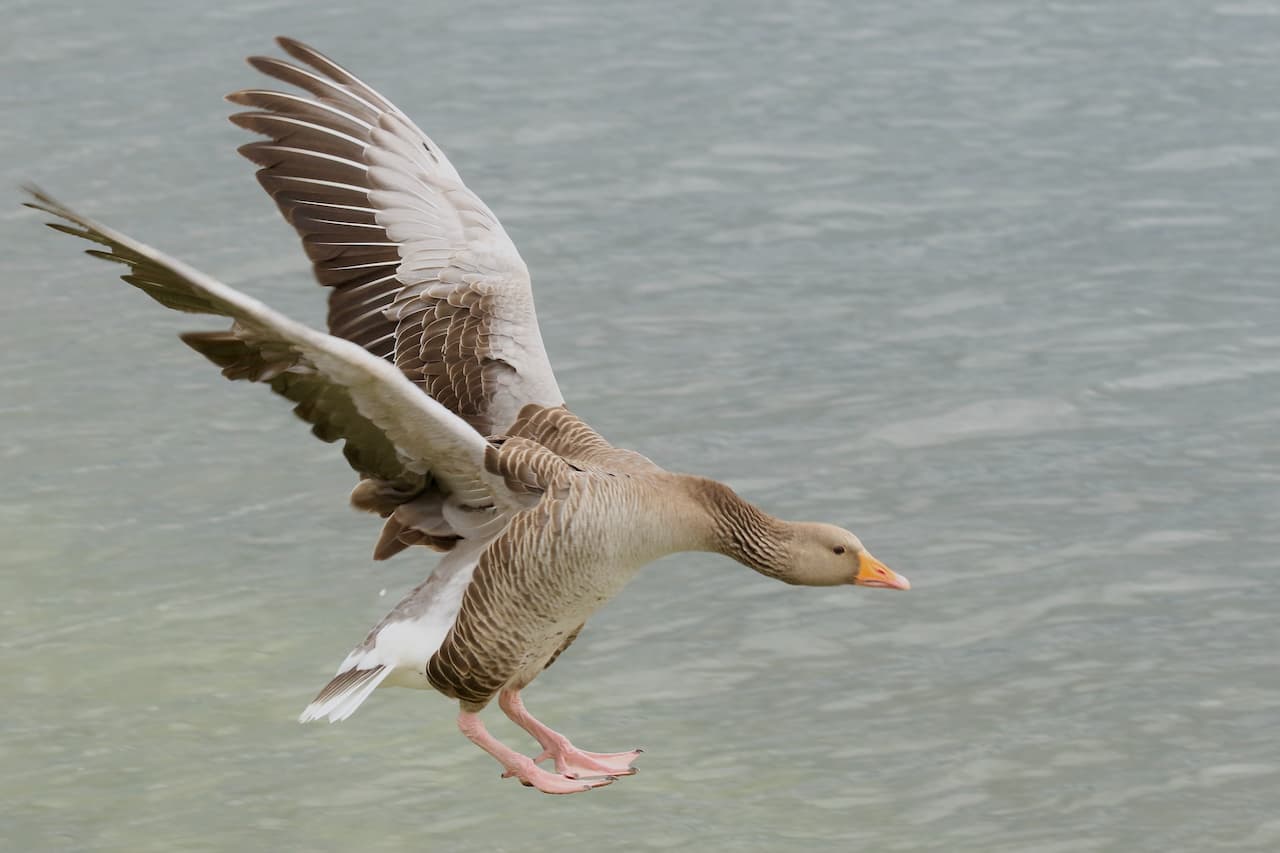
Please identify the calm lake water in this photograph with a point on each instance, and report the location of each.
(995, 284)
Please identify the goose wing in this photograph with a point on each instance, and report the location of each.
(392, 431)
(422, 272)
(568, 436)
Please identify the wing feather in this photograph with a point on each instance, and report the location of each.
(392, 431)
(565, 434)
(422, 272)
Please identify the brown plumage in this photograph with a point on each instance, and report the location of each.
(541, 520)
(440, 303)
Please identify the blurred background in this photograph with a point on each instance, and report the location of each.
(992, 283)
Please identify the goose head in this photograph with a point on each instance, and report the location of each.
(805, 553)
(817, 554)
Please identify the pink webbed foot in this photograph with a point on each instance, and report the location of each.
(521, 766)
(533, 776)
(569, 760)
(580, 764)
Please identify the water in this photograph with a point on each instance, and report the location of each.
(992, 283)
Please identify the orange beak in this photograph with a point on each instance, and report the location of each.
(872, 572)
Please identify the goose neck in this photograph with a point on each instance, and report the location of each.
(739, 529)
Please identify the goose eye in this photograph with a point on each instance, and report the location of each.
(839, 549)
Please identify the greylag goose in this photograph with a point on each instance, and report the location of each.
(434, 376)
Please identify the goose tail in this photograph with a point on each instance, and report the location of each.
(341, 697)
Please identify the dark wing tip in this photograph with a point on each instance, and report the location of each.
(46, 203)
(304, 53)
(43, 201)
(268, 65)
(244, 120)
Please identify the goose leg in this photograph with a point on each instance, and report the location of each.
(521, 766)
(570, 760)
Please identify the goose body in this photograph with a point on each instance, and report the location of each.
(494, 615)
(435, 377)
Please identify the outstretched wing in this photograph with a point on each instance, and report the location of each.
(392, 431)
(422, 272)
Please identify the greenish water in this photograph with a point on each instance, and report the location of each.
(992, 283)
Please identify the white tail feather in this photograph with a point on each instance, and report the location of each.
(404, 641)
(344, 694)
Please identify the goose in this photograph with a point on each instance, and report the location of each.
(434, 376)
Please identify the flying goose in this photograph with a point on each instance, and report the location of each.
(435, 377)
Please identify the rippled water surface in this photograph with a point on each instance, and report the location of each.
(993, 283)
